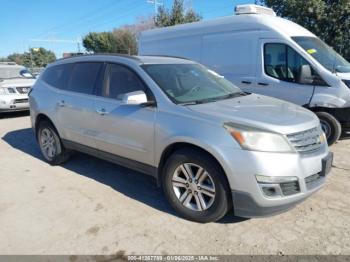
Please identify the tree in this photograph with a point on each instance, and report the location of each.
(176, 15)
(102, 42)
(125, 41)
(36, 57)
(328, 19)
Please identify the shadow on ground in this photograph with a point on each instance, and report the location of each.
(128, 182)
(14, 114)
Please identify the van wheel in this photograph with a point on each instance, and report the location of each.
(330, 126)
(196, 186)
(50, 144)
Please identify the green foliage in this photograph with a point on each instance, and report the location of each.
(36, 57)
(176, 15)
(328, 19)
(119, 41)
(99, 42)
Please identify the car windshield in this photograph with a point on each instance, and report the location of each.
(191, 83)
(14, 72)
(324, 54)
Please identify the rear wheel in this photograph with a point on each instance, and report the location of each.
(50, 144)
(331, 127)
(196, 186)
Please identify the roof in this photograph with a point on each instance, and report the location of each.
(244, 22)
(149, 59)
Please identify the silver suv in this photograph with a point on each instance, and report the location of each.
(209, 145)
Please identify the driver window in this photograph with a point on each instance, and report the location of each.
(120, 81)
(284, 63)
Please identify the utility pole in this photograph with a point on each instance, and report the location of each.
(156, 4)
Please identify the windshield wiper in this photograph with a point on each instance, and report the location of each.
(209, 100)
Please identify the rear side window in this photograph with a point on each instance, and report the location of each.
(120, 81)
(83, 77)
(57, 76)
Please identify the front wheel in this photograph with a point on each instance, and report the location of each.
(196, 186)
(331, 127)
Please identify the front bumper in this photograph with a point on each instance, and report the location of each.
(247, 194)
(14, 103)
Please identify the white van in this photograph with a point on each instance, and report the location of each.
(268, 55)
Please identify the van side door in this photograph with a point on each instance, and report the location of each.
(124, 132)
(279, 73)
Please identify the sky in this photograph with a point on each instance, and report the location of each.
(43, 23)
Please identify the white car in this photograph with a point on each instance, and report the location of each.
(15, 83)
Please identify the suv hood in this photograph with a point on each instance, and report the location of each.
(17, 82)
(259, 111)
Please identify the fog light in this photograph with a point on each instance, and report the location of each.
(275, 179)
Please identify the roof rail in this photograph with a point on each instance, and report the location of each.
(170, 56)
(96, 54)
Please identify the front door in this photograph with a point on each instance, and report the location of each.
(124, 130)
(279, 71)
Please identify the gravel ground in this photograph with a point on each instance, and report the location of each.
(89, 206)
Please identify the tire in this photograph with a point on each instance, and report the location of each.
(47, 132)
(211, 208)
(330, 126)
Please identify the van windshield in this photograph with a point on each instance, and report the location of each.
(191, 83)
(324, 54)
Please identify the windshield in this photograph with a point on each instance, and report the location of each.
(191, 83)
(324, 54)
(14, 72)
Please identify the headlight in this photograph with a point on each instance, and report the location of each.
(347, 82)
(3, 91)
(258, 140)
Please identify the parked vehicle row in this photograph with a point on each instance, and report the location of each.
(268, 55)
(211, 146)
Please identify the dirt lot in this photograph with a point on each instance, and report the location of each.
(89, 206)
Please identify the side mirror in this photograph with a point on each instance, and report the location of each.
(26, 74)
(135, 98)
(305, 76)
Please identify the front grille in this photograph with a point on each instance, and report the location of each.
(23, 89)
(313, 181)
(290, 188)
(306, 141)
(19, 101)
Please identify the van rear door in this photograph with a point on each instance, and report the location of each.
(279, 73)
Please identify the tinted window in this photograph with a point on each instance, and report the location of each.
(84, 77)
(284, 63)
(57, 76)
(120, 81)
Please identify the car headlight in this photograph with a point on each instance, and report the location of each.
(258, 140)
(3, 91)
(347, 82)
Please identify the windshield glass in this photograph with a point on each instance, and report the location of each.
(14, 72)
(187, 83)
(324, 54)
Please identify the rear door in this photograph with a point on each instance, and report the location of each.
(76, 104)
(278, 73)
(124, 130)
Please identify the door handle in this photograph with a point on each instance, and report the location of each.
(263, 84)
(61, 103)
(101, 111)
(246, 82)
